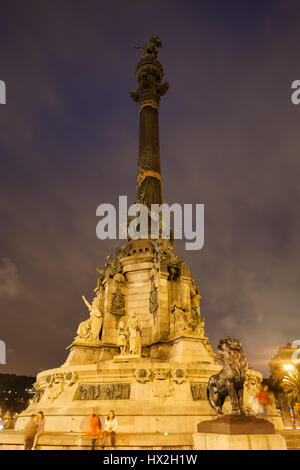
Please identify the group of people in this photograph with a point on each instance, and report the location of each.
(36, 425)
(109, 429)
(33, 429)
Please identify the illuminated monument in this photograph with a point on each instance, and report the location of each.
(143, 351)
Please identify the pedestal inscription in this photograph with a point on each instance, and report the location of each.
(103, 392)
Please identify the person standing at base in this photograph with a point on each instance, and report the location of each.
(29, 433)
(96, 428)
(256, 407)
(40, 427)
(264, 401)
(110, 428)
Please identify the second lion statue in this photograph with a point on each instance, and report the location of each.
(230, 380)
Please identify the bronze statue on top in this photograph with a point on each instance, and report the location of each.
(151, 47)
(230, 380)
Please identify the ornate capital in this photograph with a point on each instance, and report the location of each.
(149, 74)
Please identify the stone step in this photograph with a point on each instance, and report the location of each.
(292, 439)
(293, 446)
(14, 440)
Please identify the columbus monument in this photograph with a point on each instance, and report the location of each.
(141, 349)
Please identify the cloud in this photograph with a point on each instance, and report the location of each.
(9, 279)
(69, 141)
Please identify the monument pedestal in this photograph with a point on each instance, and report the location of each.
(189, 348)
(236, 432)
(82, 353)
(89, 353)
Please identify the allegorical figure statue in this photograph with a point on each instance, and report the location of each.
(122, 337)
(89, 330)
(230, 380)
(134, 336)
(196, 323)
(180, 320)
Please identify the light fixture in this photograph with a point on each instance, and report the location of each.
(288, 367)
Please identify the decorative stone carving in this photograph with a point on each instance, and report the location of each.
(184, 269)
(145, 159)
(56, 387)
(165, 259)
(161, 374)
(149, 73)
(108, 391)
(198, 391)
(89, 330)
(196, 323)
(124, 251)
(100, 280)
(201, 326)
(186, 318)
(195, 303)
(173, 269)
(39, 391)
(142, 375)
(113, 266)
(71, 378)
(118, 303)
(179, 375)
(153, 298)
(180, 312)
(207, 346)
(119, 278)
(163, 264)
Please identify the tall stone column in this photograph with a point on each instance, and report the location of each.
(149, 74)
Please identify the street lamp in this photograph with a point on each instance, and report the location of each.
(288, 367)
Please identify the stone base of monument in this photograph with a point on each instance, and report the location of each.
(14, 440)
(237, 432)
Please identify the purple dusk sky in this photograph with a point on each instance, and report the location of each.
(229, 138)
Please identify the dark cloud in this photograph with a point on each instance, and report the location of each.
(69, 140)
(9, 282)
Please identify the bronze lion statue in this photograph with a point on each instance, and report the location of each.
(230, 380)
